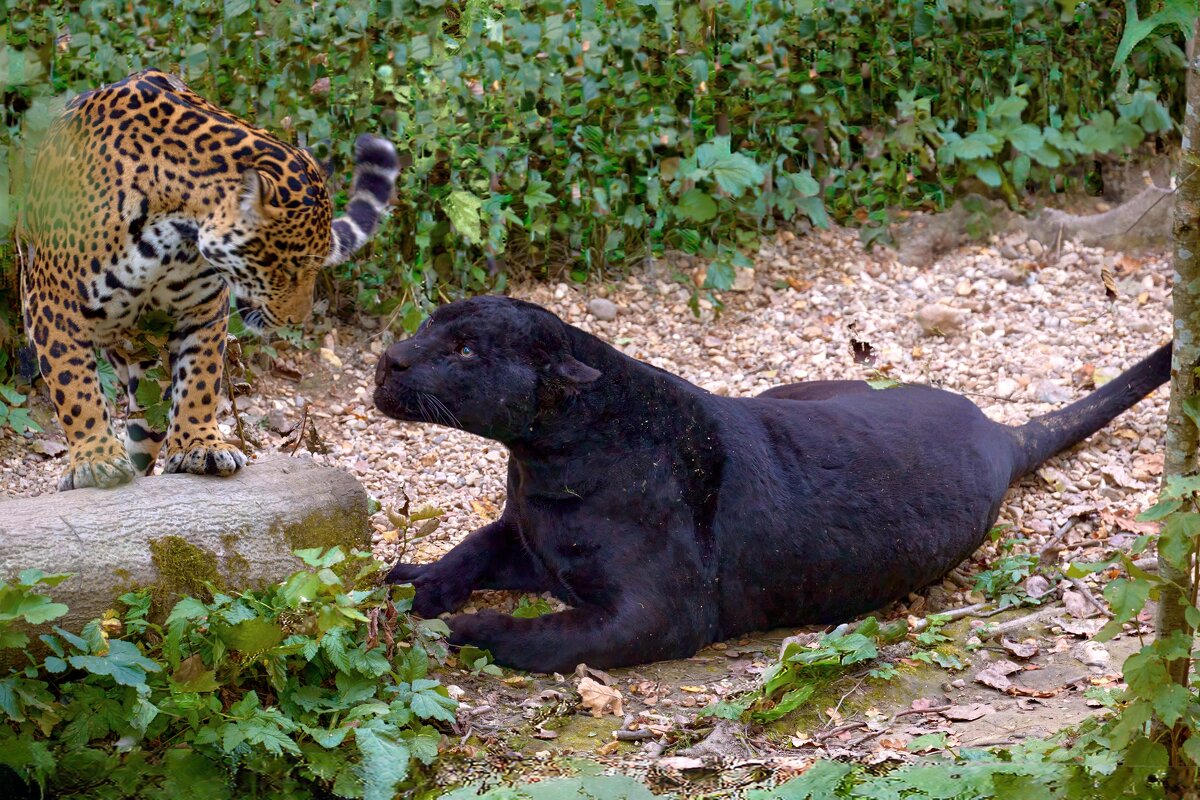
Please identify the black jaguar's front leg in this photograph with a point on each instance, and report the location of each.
(489, 558)
(642, 630)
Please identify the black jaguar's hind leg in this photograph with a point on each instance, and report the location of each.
(490, 558)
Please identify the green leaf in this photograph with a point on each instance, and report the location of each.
(1159, 510)
(384, 761)
(733, 172)
(124, 662)
(1127, 598)
(430, 704)
(253, 636)
(820, 781)
(462, 208)
(1180, 13)
(697, 205)
(989, 173)
(1170, 702)
(1026, 138)
(1010, 106)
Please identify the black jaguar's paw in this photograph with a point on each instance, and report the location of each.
(406, 573)
(438, 590)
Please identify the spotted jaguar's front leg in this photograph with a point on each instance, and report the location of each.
(197, 348)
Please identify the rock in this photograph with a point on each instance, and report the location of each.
(1035, 247)
(330, 358)
(939, 318)
(174, 533)
(602, 309)
(1103, 375)
(743, 280)
(1045, 391)
(1092, 654)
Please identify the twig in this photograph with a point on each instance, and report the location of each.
(865, 737)
(849, 726)
(633, 736)
(1020, 623)
(237, 418)
(300, 430)
(1059, 535)
(949, 616)
(1087, 595)
(930, 710)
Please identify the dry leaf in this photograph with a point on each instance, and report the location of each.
(1123, 523)
(894, 744)
(1025, 649)
(1022, 691)
(922, 703)
(48, 447)
(608, 747)
(968, 713)
(996, 676)
(541, 733)
(599, 699)
(1080, 627)
(1037, 586)
(692, 689)
(584, 671)
(484, 507)
(681, 763)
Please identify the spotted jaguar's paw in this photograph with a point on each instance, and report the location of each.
(102, 468)
(205, 458)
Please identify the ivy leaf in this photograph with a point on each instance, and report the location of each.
(462, 208)
(697, 205)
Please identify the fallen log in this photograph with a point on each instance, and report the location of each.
(178, 534)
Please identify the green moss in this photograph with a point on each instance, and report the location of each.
(183, 569)
(322, 529)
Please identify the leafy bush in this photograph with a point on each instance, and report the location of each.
(312, 687)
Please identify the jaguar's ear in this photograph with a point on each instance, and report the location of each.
(258, 193)
(574, 372)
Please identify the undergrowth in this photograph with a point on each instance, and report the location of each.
(315, 687)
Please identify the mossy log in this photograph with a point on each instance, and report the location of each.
(180, 534)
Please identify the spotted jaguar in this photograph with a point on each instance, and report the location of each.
(145, 197)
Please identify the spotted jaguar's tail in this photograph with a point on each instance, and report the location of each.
(1042, 437)
(375, 170)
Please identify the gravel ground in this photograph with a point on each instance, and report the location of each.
(1020, 329)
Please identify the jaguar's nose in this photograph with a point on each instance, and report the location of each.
(393, 360)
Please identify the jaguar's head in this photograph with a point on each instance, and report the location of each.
(487, 365)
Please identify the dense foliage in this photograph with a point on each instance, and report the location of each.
(546, 134)
(316, 686)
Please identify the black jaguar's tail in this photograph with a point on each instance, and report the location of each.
(1043, 436)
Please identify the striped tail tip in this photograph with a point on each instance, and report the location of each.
(376, 168)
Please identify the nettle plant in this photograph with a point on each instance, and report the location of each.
(316, 685)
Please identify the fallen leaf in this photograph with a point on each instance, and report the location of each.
(1117, 474)
(1037, 586)
(968, 713)
(996, 676)
(584, 671)
(693, 689)
(484, 508)
(598, 698)
(923, 703)
(541, 733)
(894, 744)
(608, 747)
(1022, 691)
(1079, 627)
(1122, 523)
(1025, 649)
(1148, 464)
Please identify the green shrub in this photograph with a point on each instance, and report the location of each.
(588, 136)
(312, 687)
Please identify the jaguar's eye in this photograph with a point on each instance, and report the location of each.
(466, 351)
